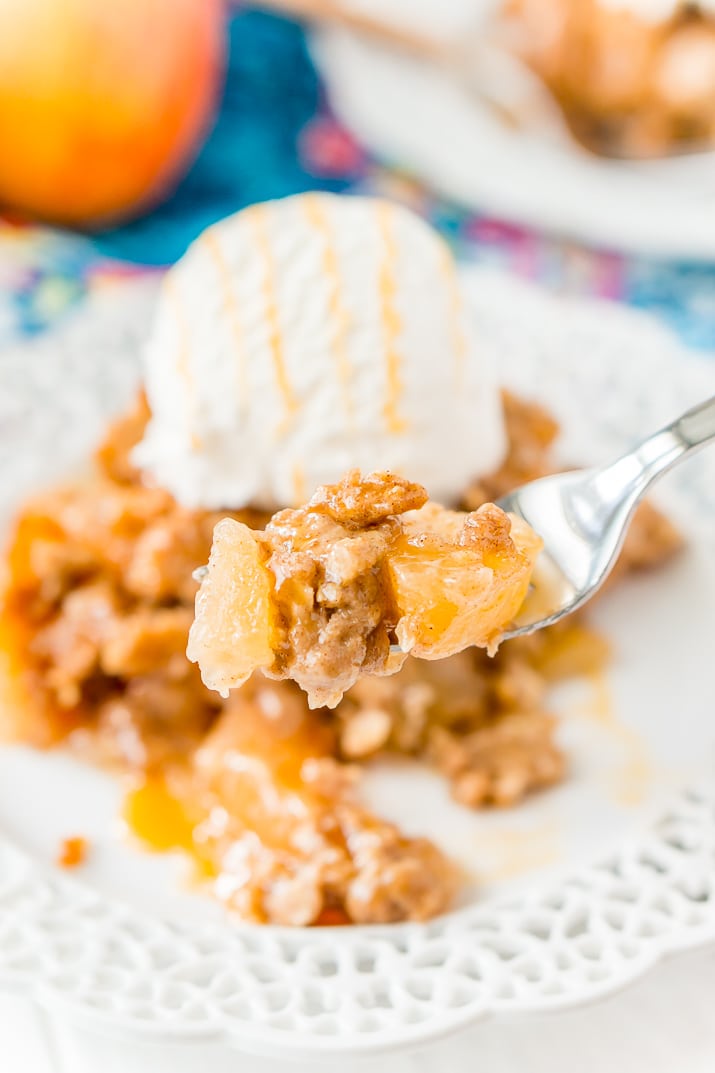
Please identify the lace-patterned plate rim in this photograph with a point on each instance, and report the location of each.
(330, 990)
(99, 962)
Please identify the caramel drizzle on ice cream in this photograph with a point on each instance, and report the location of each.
(230, 303)
(257, 219)
(337, 312)
(391, 322)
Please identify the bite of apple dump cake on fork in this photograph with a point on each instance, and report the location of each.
(326, 592)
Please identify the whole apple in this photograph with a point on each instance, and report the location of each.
(103, 103)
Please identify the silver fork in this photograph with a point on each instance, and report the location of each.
(583, 517)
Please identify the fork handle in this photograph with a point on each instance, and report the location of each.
(636, 471)
(697, 426)
(676, 441)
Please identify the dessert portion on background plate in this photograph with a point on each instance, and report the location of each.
(297, 341)
(632, 78)
(635, 78)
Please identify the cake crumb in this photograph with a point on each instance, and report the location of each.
(73, 852)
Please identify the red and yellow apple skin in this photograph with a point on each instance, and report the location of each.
(103, 105)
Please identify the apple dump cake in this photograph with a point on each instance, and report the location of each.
(260, 331)
(635, 78)
(261, 790)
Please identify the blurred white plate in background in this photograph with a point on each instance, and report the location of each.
(414, 114)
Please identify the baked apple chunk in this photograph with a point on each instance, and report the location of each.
(366, 573)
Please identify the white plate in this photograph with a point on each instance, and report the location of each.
(574, 894)
(416, 115)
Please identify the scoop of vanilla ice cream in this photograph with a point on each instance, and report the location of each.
(305, 337)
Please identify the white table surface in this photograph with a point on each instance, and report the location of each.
(663, 1024)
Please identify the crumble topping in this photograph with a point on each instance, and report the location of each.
(318, 848)
(357, 502)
